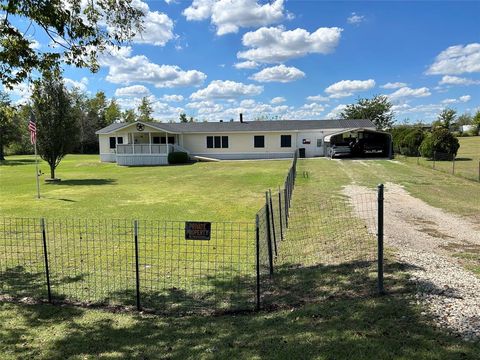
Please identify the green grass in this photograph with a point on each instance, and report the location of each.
(225, 191)
(467, 163)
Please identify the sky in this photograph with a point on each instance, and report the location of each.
(214, 59)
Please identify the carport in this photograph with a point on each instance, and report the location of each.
(358, 143)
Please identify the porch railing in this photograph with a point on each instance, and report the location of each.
(130, 149)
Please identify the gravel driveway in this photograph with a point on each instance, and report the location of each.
(425, 237)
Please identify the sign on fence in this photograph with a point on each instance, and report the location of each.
(195, 230)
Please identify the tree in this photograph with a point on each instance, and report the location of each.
(465, 119)
(79, 31)
(8, 127)
(22, 144)
(129, 116)
(476, 121)
(378, 110)
(56, 125)
(145, 110)
(445, 119)
(112, 112)
(183, 118)
(440, 140)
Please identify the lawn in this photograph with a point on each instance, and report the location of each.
(226, 191)
(322, 311)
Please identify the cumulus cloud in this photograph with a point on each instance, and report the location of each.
(455, 80)
(80, 85)
(457, 59)
(280, 73)
(228, 89)
(461, 99)
(278, 100)
(318, 98)
(172, 98)
(277, 45)
(406, 92)
(354, 18)
(346, 88)
(123, 68)
(228, 16)
(132, 91)
(246, 65)
(335, 112)
(393, 85)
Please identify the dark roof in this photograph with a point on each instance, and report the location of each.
(252, 126)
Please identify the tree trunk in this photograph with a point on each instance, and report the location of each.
(2, 153)
(52, 172)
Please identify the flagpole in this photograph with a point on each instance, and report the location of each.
(36, 171)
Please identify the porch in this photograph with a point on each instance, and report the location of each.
(143, 154)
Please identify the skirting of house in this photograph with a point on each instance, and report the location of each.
(111, 157)
(246, 155)
(141, 160)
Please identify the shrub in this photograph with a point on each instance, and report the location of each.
(398, 133)
(411, 141)
(440, 141)
(178, 157)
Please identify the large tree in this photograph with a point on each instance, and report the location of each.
(145, 110)
(78, 30)
(446, 118)
(476, 121)
(377, 109)
(56, 124)
(113, 112)
(9, 130)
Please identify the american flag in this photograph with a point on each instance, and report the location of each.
(32, 127)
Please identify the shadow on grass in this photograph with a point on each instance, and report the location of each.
(17, 162)
(85, 182)
(339, 318)
(463, 159)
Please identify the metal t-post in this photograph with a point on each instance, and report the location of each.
(381, 289)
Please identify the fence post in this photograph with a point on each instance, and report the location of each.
(280, 213)
(381, 289)
(45, 254)
(434, 157)
(285, 207)
(479, 171)
(269, 235)
(272, 215)
(137, 271)
(257, 238)
(453, 165)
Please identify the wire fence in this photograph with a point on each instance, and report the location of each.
(177, 266)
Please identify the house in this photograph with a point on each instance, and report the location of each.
(142, 143)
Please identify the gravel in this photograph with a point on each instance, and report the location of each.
(421, 236)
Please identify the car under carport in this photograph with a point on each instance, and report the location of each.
(359, 143)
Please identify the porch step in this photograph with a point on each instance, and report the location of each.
(203, 158)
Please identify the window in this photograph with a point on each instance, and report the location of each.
(319, 142)
(120, 140)
(112, 142)
(217, 142)
(285, 141)
(209, 142)
(259, 141)
(171, 140)
(156, 139)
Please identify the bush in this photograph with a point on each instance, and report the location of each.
(411, 142)
(440, 141)
(398, 133)
(178, 157)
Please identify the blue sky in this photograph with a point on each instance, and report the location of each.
(293, 59)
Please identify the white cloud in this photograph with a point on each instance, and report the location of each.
(457, 59)
(172, 98)
(335, 113)
(80, 85)
(161, 110)
(318, 98)
(406, 92)
(280, 73)
(228, 89)
(346, 88)
(354, 18)
(277, 45)
(393, 85)
(278, 100)
(229, 16)
(132, 91)
(34, 44)
(455, 80)
(125, 69)
(22, 91)
(463, 99)
(246, 65)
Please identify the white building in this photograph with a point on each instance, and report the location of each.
(150, 143)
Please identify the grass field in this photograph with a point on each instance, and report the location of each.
(467, 162)
(322, 311)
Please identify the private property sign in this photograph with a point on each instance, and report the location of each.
(195, 230)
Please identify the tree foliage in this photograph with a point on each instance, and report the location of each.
(78, 32)
(446, 118)
(9, 130)
(129, 116)
(440, 140)
(407, 139)
(56, 124)
(145, 110)
(377, 109)
(183, 118)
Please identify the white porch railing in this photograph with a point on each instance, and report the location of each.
(143, 149)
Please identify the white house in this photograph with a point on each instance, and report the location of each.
(150, 143)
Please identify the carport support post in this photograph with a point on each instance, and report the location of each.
(381, 289)
(45, 254)
(137, 272)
